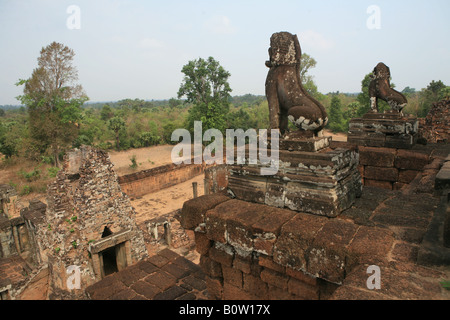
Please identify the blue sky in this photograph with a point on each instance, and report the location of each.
(136, 49)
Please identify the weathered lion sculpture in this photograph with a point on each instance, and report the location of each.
(380, 88)
(285, 94)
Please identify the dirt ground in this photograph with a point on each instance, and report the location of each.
(155, 204)
(146, 158)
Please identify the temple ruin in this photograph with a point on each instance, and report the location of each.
(335, 214)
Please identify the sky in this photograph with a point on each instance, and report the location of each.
(136, 49)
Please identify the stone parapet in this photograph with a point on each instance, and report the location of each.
(323, 183)
(383, 130)
(254, 251)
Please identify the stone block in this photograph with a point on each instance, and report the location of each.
(215, 288)
(442, 181)
(277, 279)
(307, 144)
(161, 279)
(231, 292)
(303, 290)
(232, 276)
(145, 289)
(202, 243)
(380, 173)
(398, 185)
(251, 188)
(243, 264)
(295, 238)
(383, 130)
(221, 256)
(301, 276)
(327, 256)
(411, 160)
(378, 184)
(255, 286)
(323, 183)
(267, 262)
(210, 267)
(377, 157)
(371, 245)
(407, 176)
(193, 211)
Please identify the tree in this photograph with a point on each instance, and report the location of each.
(307, 63)
(434, 92)
(205, 84)
(53, 100)
(336, 120)
(116, 124)
(408, 91)
(106, 113)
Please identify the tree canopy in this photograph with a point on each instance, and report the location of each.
(53, 100)
(206, 86)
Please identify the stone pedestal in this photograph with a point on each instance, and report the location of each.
(389, 130)
(324, 182)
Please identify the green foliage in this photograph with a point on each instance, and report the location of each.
(134, 163)
(33, 175)
(148, 139)
(106, 113)
(205, 84)
(53, 172)
(445, 284)
(116, 124)
(434, 92)
(26, 189)
(335, 116)
(53, 100)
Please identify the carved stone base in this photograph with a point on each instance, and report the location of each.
(383, 130)
(309, 145)
(322, 183)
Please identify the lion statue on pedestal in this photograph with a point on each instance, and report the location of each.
(287, 98)
(380, 88)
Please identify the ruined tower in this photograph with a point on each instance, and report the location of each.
(91, 229)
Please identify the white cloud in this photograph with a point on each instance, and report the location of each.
(220, 25)
(314, 40)
(150, 43)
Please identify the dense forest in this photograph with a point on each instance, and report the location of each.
(55, 114)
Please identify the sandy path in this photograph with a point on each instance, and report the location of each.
(146, 158)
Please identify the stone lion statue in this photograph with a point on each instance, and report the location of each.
(285, 94)
(380, 88)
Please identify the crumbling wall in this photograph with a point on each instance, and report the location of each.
(85, 199)
(152, 180)
(254, 251)
(390, 168)
(8, 198)
(435, 127)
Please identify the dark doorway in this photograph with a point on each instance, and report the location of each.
(106, 232)
(109, 260)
